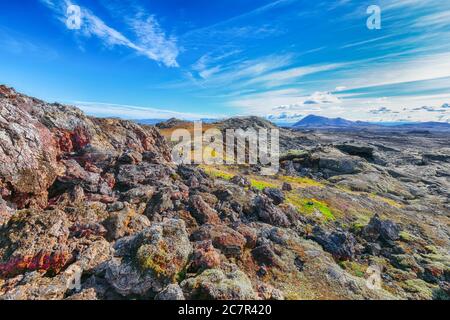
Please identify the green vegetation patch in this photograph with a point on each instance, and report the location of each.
(217, 173)
(260, 185)
(406, 237)
(354, 268)
(301, 181)
(310, 206)
(155, 259)
(360, 223)
(385, 200)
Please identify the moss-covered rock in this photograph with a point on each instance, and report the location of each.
(217, 284)
(150, 260)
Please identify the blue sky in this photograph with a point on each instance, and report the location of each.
(193, 59)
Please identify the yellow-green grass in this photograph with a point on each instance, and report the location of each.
(354, 268)
(310, 206)
(257, 181)
(301, 181)
(217, 173)
(388, 201)
(260, 185)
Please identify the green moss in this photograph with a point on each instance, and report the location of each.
(301, 181)
(388, 201)
(294, 152)
(406, 237)
(260, 185)
(432, 249)
(360, 223)
(154, 259)
(419, 287)
(357, 227)
(217, 173)
(354, 268)
(181, 275)
(310, 206)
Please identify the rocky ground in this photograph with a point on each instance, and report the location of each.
(95, 209)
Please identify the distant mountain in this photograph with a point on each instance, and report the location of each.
(426, 125)
(149, 122)
(246, 122)
(313, 121)
(171, 121)
(318, 121)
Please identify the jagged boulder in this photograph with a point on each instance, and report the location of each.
(384, 230)
(34, 286)
(241, 181)
(134, 176)
(275, 194)
(342, 245)
(6, 212)
(28, 157)
(35, 240)
(216, 284)
(150, 260)
(125, 223)
(267, 212)
(171, 292)
(202, 212)
(230, 242)
(35, 135)
(204, 256)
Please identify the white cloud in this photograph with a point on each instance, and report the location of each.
(101, 109)
(276, 102)
(287, 117)
(319, 97)
(235, 72)
(439, 19)
(209, 64)
(93, 26)
(151, 41)
(289, 75)
(421, 68)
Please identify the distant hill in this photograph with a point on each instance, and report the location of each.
(246, 122)
(150, 122)
(313, 121)
(169, 122)
(426, 125)
(318, 121)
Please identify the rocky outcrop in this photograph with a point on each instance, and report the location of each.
(383, 230)
(35, 241)
(29, 151)
(149, 260)
(36, 135)
(216, 284)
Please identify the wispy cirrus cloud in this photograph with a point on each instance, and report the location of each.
(102, 109)
(153, 42)
(235, 72)
(288, 76)
(149, 38)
